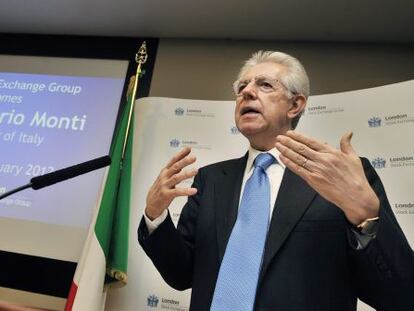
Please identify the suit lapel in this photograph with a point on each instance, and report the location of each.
(226, 196)
(291, 203)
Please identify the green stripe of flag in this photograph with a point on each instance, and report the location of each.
(112, 224)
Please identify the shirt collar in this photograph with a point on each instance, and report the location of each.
(253, 153)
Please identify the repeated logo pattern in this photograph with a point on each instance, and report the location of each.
(378, 163)
(152, 301)
(374, 122)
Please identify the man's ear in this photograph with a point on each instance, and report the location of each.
(298, 105)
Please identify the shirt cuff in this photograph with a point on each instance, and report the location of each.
(154, 224)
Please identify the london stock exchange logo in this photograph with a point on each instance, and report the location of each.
(152, 301)
(378, 163)
(179, 111)
(234, 130)
(374, 122)
(174, 143)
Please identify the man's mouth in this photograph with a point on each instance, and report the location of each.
(248, 110)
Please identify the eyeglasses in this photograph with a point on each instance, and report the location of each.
(262, 83)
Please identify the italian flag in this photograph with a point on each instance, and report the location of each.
(104, 258)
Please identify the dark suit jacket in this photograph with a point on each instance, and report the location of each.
(310, 261)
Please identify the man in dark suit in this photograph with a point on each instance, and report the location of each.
(330, 236)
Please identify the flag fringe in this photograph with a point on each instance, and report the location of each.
(119, 278)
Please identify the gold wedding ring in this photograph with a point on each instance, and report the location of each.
(304, 163)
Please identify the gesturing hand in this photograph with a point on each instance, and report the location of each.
(164, 190)
(337, 175)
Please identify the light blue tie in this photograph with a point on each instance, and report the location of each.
(239, 271)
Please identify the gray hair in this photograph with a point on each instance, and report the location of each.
(296, 80)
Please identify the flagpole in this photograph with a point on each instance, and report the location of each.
(140, 58)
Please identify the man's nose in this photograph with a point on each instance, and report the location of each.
(249, 91)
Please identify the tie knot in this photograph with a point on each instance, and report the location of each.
(264, 160)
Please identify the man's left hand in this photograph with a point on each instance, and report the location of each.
(337, 175)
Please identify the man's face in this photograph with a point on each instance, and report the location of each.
(262, 105)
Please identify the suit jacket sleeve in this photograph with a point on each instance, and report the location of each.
(171, 249)
(384, 271)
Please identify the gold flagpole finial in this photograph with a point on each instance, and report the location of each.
(142, 55)
(140, 58)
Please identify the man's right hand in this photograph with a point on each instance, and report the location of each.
(164, 190)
